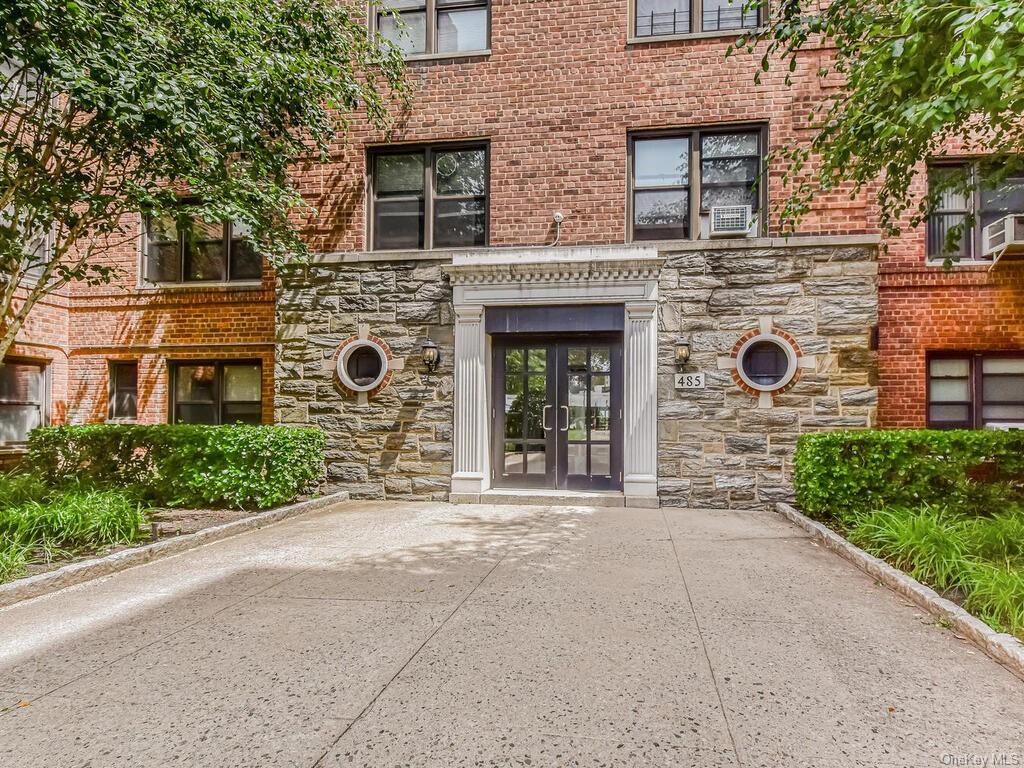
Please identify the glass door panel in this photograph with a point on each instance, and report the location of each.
(588, 438)
(557, 414)
(523, 416)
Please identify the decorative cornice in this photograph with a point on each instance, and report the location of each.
(598, 270)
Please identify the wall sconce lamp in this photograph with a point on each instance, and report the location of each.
(682, 351)
(431, 355)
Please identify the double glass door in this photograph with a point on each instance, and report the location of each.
(558, 413)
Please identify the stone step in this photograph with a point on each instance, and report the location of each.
(548, 498)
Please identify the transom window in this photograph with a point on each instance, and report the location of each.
(435, 26)
(185, 250)
(22, 400)
(430, 197)
(974, 390)
(656, 18)
(987, 202)
(216, 392)
(668, 170)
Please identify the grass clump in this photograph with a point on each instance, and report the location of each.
(39, 523)
(928, 544)
(995, 594)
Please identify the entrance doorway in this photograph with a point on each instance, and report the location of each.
(557, 420)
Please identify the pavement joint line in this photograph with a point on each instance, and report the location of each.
(1005, 649)
(156, 641)
(169, 635)
(703, 644)
(433, 633)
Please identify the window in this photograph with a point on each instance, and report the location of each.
(435, 26)
(954, 207)
(433, 197)
(655, 18)
(973, 390)
(183, 250)
(728, 164)
(216, 393)
(22, 400)
(124, 390)
(767, 362)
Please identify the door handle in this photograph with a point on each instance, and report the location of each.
(544, 418)
(566, 427)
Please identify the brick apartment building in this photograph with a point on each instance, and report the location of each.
(568, 221)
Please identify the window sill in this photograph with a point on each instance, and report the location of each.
(427, 57)
(970, 264)
(718, 33)
(231, 285)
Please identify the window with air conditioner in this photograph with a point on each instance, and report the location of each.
(966, 202)
(696, 183)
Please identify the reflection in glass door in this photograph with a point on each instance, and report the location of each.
(557, 414)
(587, 452)
(527, 436)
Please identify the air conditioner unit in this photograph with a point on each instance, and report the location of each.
(735, 220)
(1004, 425)
(1004, 239)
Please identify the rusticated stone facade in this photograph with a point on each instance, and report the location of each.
(399, 444)
(720, 446)
(717, 447)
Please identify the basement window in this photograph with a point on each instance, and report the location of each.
(968, 391)
(123, 396)
(22, 400)
(216, 392)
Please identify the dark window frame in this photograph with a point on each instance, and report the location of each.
(44, 404)
(973, 242)
(429, 151)
(696, 25)
(228, 241)
(113, 390)
(695, 186)
(173, 367)
(975, 389)
(431, 9)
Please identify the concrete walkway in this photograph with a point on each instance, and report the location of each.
(430, 635)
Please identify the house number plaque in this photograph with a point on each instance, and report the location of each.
(690, 380)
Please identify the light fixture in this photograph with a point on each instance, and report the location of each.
(431, 355)
(682, 351)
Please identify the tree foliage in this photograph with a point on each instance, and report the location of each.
(917, 75)
(114, 107)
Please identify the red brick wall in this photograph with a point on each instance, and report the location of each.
(80, 332)
(924, 308)
(556, 99)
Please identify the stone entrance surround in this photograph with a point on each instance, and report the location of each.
(719, 446)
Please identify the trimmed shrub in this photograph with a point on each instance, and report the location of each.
(840, 475)
(179, 465)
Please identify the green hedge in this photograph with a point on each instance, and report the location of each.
(839, 475)
(184, 465)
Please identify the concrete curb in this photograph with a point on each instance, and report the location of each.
(87, 570)
(1004, 648)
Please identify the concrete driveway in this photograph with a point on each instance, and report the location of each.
(425, 634)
